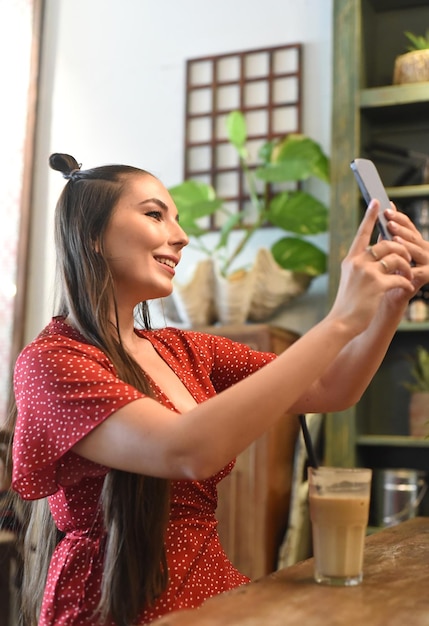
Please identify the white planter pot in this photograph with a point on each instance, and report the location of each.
(273, 287)
(233, 295)
(193, 302)
(253, 295)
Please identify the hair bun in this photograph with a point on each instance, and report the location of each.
(64, 163)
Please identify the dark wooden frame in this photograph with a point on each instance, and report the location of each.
(18, 323)
(277, 68)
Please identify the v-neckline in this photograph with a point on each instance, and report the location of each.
(163, 353)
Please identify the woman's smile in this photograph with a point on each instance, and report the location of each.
(168, 262)
(144, 227)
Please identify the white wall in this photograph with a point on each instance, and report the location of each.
(112, 90)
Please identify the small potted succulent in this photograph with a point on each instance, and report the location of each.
(413, 66)
(292, 261)
(418, 387)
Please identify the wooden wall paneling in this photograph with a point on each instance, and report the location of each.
(254, 499)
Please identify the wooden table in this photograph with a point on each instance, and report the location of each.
(394, 592)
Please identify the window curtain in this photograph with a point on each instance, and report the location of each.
(20, 34)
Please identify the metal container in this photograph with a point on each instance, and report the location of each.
(396, 495)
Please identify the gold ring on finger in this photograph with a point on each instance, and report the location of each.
(372, 252)
(385, 266)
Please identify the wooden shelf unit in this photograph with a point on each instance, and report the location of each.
(368, 110)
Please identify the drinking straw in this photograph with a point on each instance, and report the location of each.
(308, 443)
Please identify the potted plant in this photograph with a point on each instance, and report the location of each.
(293, 259)
(413, 66)
(419, 390)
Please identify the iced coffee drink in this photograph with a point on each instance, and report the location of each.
(339, 509)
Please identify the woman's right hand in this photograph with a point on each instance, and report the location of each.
(368, 273)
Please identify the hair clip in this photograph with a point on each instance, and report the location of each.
(71, 175)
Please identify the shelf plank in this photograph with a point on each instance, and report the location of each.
(393, 95)
(413, 326)
(392, 441)
(408, 191)
(389, 5)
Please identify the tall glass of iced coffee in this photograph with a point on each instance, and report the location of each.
(339, 509)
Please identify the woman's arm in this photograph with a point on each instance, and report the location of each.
(147, 438)
(347, 378)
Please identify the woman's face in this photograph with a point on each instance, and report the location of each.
(143, 241)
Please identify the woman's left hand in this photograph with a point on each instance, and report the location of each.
(404, 231)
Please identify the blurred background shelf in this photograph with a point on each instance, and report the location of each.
(392, 440)
(411, 95)
(390, 125)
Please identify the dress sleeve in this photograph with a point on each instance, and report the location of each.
(235, 361)
(63, 390)
(228, 361)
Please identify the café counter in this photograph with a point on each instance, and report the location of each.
(394, 592)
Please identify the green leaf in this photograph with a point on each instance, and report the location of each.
(194, 200)
(265, 152)
(191, 191)
(419, 371)
(199, 197)
(295, 158)
(418, 42)
(227, 227)
(298, 212)
(298, 255)
(236, 129)
(321, 168)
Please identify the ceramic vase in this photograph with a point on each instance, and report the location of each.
(244, 295)
(193, 301)
(273, 286)
(419, 414)
(412, 67)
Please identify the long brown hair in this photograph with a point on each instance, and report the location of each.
(135, 507)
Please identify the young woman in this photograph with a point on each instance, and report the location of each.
(125, 431)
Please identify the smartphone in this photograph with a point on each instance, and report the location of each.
(371, 187)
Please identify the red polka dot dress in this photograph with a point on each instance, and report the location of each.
(64, 388)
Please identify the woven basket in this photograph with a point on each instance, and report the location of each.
(412, 67)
